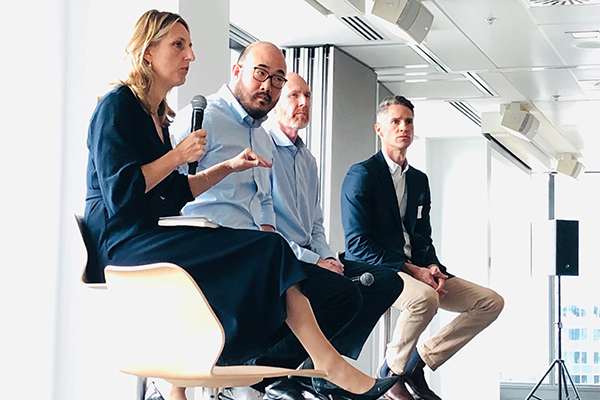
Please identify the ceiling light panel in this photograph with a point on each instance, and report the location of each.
(585, 34)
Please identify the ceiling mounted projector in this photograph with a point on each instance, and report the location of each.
(519, 120)
(410, 15)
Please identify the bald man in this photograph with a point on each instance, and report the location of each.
(233, 120)
(299, 219)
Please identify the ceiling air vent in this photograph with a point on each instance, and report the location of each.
(363, 28)
(467, 111)
(547, 3)
(351, 13)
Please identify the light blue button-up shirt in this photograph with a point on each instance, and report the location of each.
(243, 199)
(296, 197)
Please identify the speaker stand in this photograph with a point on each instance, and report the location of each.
(562, 372)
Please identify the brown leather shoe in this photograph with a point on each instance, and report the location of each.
(398, 391)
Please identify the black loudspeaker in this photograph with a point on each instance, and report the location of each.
(566, 243)
(555, 247)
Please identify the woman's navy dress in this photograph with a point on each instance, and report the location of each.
(244, 274)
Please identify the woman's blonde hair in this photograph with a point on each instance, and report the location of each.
(148, 31)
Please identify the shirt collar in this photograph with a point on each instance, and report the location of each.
(281, 139)
(393, 166)
(237, 109)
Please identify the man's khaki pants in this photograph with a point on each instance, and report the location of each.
(478, 307)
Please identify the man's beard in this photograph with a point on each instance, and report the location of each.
(256, 113)
(246, 102)
(298, 121)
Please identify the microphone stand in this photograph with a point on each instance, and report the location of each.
(563, 373)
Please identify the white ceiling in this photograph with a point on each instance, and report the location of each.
(524, 55)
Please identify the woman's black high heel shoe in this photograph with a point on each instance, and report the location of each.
(326, 388)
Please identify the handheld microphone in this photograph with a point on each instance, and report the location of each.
(198, 106)
(366, 279)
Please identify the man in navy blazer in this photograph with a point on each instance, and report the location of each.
(385, 214)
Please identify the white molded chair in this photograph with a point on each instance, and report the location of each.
(165, 328)
(168, 330)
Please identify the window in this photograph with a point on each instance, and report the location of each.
(573, 334)
(574, 311)
(580, 308)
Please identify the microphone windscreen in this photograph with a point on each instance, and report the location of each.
(367, 279)
(199, 101)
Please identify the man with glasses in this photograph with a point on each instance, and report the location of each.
(233, 119)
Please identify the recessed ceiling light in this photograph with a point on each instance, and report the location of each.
(416, 66)
(585, 34)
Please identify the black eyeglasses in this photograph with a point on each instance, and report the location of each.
(261, 75)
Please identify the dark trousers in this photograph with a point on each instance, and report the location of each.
(346, 311)
(376, 299)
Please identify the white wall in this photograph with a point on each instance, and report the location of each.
(32, 82)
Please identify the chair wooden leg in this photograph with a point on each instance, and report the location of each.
(140, 391)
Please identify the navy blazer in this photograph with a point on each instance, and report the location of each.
(371, 216)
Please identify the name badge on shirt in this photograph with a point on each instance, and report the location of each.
(419, 212)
